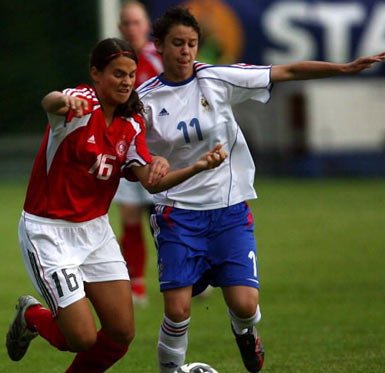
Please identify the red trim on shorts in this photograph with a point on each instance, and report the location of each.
(166, 215)
(249, 216)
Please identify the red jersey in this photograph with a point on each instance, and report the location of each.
(149, 64)
(81, 160)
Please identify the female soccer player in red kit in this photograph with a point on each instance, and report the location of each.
(94, 137)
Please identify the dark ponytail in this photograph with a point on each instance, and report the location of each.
(104, 52)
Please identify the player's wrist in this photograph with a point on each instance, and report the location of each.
(197, 167)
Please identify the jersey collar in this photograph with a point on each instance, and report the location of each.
(173, 84)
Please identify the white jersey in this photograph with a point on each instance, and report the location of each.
(187, 119)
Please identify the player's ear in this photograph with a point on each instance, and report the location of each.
(95, 74)
(158, 46)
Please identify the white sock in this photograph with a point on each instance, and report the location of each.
(172, 344)
(241, 325)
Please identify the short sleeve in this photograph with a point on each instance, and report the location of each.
(84, 92)
(138, 153)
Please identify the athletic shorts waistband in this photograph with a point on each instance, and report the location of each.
(59, 222)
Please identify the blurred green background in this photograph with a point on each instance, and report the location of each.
(321, 262)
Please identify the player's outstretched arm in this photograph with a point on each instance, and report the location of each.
(318, 69)
(60, 104)
(208, 161)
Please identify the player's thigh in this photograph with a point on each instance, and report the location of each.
(112, 301)
(52, 262)
(234, 259)
(232, 250)
(242, 300)
(177, 303)
(77, 324)
(180, 238)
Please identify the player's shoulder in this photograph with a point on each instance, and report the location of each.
(149, 49)
(149, 86)
(84, 91)
(136, 121)
(201, 67)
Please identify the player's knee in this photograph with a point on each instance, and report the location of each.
(177, 304)
(123, 337)
(178, 314)
(126, 338)
(245, 309)
(82, 342)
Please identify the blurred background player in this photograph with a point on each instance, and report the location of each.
(135, 28)
(132, 199)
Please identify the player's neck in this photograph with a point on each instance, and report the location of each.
(108, 113)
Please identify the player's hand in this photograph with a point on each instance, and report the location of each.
(211, 159)
(78, 105)
(159, 167)
(363, 63)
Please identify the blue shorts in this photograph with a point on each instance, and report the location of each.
(200, 248)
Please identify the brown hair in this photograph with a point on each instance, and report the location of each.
(174, 16)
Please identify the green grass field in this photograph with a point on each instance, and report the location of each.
(322, 265)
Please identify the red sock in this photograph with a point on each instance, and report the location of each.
(41, 319)
(102, 355)
(134, 250)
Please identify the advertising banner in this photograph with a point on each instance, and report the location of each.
(283, 31)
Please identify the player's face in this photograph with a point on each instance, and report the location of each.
(178, 49)
(115, 83)
(134, 26)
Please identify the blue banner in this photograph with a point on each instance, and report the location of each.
(283, 31)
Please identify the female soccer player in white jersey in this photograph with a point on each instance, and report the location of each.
(94, 137)
(203, 227)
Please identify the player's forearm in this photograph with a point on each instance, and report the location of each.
(317, 70)
(307, 70)
(54, 103)
(209, 160)
(172, 178)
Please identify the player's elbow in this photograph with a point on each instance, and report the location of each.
(152, 189)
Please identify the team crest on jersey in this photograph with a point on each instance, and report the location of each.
(205, 104)
(121, 148)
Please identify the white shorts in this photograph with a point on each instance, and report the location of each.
(132, 193)
(60, 256)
